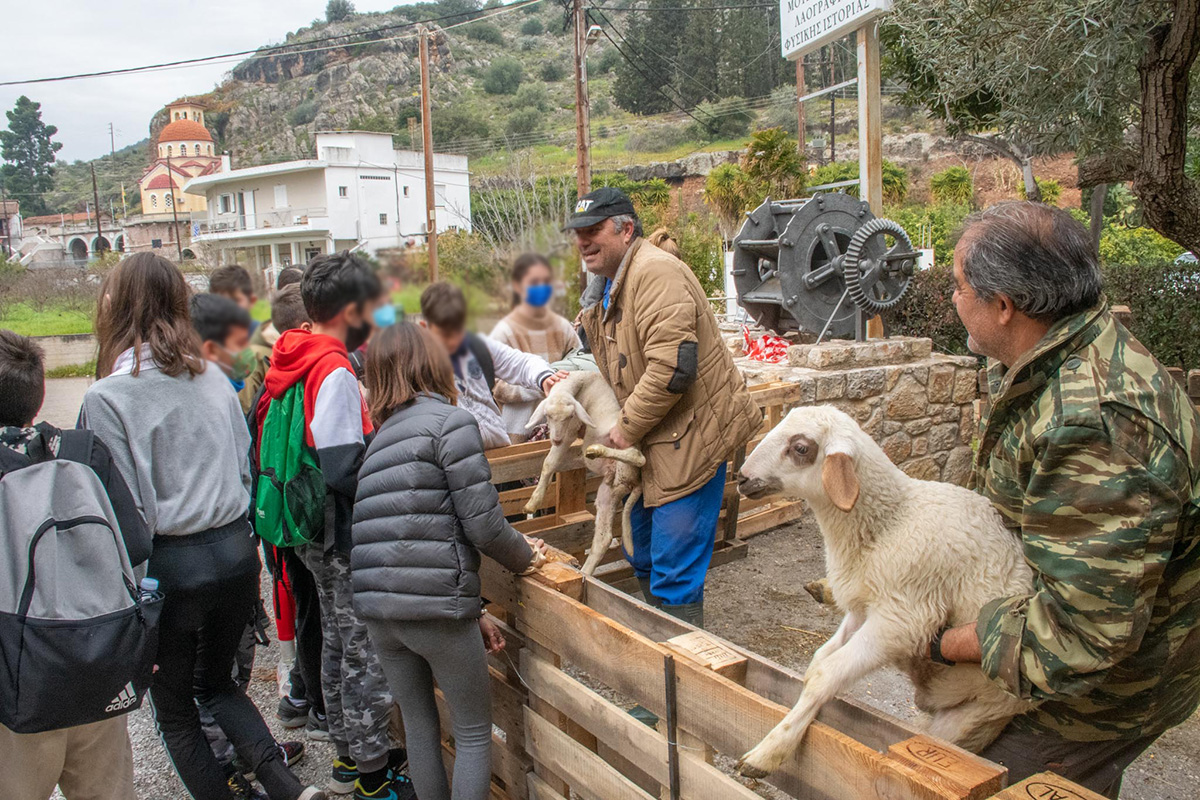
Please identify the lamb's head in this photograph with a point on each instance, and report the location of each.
(563, 414)
(810, 455)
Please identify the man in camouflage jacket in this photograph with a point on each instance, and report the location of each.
(1090, 451)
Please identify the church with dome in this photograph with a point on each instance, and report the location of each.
(184, 151)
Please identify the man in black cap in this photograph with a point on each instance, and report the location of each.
(683, 402)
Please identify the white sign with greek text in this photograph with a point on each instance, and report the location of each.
(809, 24)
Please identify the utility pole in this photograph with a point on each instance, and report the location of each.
(800, 107)
(96, 199)
(583, 162)
(427, 145)
(112, 141)
(832, 107)
(174, 211)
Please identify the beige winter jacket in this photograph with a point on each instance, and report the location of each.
(682, 399)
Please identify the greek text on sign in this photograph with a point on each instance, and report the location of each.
(809, 24)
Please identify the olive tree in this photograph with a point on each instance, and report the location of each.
(1107, 79)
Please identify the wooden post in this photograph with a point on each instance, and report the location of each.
(427, 145)
(800, 107)
(583, 156)
(870, 133)
(870, 118)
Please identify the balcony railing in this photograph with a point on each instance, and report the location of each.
(265, 220)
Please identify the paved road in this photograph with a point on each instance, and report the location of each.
(63, 398)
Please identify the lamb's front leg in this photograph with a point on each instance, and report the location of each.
(550, 466)
(850, 625)
(605, 509)
(866, 651)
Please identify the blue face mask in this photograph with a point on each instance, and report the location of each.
(385, 316)
(237, 385)
(538, 296)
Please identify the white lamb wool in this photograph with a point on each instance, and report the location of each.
(904, 558)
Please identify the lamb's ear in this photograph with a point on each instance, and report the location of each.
(839, 480)
(538, 417)
(581, 412)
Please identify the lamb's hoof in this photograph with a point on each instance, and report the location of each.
(530, 508)
(820, 591)
(594, 451)
(759, 762)
(747, 771)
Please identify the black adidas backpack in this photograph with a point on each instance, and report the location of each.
(77, 643)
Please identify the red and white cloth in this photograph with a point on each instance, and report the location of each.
(768, 348)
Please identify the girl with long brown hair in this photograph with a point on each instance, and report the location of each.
(178, 438)
(425, 512)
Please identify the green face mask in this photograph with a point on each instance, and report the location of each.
(243, 364)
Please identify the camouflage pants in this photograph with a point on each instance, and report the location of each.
(357, 700)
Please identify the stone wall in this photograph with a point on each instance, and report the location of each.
(919, 405)
(64, 351)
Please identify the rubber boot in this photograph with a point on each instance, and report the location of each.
(647, 595)
(691, 613)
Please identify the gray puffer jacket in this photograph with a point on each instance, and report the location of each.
(424, 511)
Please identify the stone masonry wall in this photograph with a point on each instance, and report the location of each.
(919, 405)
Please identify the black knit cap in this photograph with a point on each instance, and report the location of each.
(597, 206)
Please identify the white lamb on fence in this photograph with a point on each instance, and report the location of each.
(583, 406)
(904, 558)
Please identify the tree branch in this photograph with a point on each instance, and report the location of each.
(1113, 167)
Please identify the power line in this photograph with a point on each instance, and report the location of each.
(283, 49)
(687, 8)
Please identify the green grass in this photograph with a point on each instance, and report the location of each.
(53, 321)
(73, 371)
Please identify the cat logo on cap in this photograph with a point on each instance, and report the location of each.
(583, 205)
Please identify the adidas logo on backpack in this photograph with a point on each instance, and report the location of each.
(125, 699)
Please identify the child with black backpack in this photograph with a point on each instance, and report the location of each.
(91, 760)
(176, 432)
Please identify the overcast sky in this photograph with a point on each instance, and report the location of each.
(47, 38)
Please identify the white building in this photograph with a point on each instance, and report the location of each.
(357, 191)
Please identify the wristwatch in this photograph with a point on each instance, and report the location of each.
(935, 649)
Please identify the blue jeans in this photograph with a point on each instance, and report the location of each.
(673, 543)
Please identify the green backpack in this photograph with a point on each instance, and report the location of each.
(290, 497)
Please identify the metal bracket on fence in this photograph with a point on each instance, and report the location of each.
(672, 730)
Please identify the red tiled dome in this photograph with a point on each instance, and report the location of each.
(184, 130)
(162, 181)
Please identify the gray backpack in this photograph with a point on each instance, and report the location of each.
(77, 642)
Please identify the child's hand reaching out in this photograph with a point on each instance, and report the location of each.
(493, 639)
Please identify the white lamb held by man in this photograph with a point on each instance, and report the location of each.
(904, 558)
(583, 406)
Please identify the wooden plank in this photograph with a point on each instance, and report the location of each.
(643, 746)
(729, 717)
(711, 652)
(769, 519)
(588, 775)
(973, 778)
(540, 790)
(1047, 786)
(773, 681)
(570, 491)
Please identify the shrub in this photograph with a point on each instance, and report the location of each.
(953, 186)
(895, 179)
(338, 10)
(658, 138)
(939, 225)
(724, 119)
(1051, 191)
(303, 114)
(504, 76)
(522, 121)
(533, 27)
(601, 106)
(700, 247)
(459, 121)
(605, 62)
(1164, 301)
(927, 310)
(485, 32)
(553, 72)
(532, 96)
(1120, 245)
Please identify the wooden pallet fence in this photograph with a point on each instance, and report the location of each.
(567, 515)
(577, 740)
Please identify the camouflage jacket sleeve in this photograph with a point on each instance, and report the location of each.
(1098, 526)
